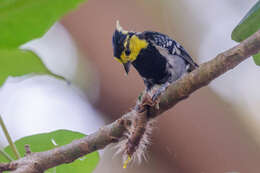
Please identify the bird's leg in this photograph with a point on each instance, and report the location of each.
(159, 91)
(151, 96)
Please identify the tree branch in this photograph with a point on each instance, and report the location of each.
(39, 162)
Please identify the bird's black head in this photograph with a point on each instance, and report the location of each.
(118, 43)
(127, 46)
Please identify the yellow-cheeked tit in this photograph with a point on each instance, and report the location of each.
(158, 59)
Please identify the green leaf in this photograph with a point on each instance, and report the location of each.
(257, 59)
(24, 20)
(16, 62)
(248, 25)
(47, 141)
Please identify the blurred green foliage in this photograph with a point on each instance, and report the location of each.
(24, 20)
(257, 59)
(20, 22)
(248, 26)
(16, 62)
(47, 141)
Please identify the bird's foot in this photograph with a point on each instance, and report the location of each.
(149, 100)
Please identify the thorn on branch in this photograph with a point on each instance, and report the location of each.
(27, 149)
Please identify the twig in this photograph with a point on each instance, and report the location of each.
(8, 137)
(38, 162)
(7, 167)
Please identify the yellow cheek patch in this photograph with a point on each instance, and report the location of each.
(119, 60)
(135, 46)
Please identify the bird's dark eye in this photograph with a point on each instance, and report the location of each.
(127, 52)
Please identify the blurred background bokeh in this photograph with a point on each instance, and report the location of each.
(216, 130)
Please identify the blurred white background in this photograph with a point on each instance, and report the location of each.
(36, 104)
(210, 132)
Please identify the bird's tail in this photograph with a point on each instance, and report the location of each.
(192, 66)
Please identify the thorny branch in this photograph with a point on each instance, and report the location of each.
(41, 161)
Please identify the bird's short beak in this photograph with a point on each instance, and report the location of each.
(127, 66)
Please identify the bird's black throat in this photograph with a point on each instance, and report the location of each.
(151, 65)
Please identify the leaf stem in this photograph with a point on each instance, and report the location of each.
(8, 137)
(6, 155)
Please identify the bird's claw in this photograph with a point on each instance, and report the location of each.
(156, 101)
(155, 97)
(150, 101)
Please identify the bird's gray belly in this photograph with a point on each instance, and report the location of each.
(176, 66)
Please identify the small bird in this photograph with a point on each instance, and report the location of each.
(159, 59)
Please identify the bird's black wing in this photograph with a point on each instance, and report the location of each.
(173, 47)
